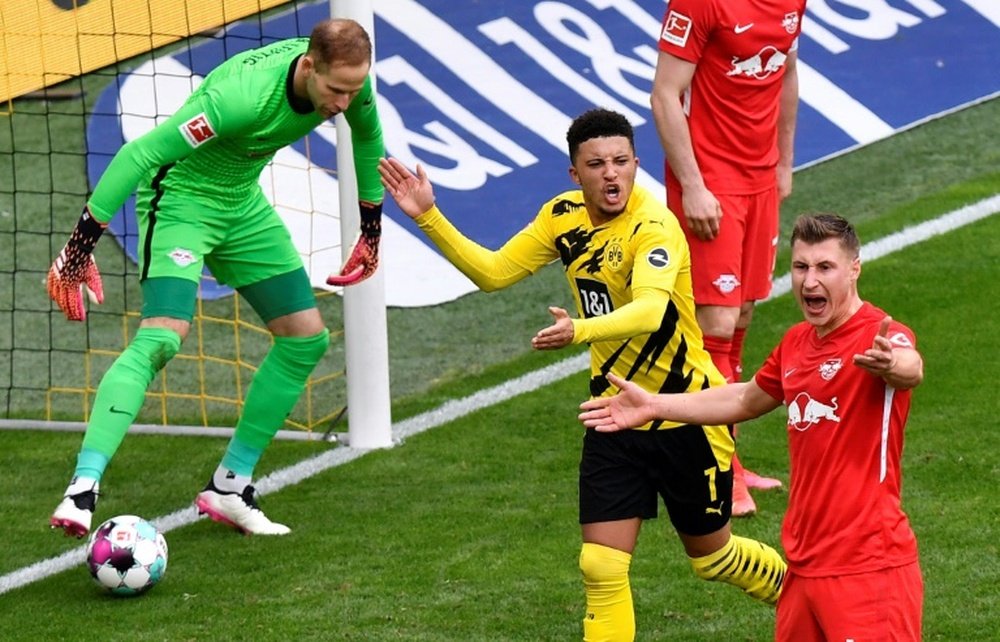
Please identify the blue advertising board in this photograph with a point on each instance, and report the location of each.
(481, 94)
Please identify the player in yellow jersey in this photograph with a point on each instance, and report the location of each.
(629, 268)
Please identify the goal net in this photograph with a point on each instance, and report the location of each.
(80, 82)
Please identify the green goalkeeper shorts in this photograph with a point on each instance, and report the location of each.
(179, 236)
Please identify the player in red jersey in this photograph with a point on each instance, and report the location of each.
(724, 101)
(846, 376)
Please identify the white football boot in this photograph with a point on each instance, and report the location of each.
(75, 512)
(239, 510)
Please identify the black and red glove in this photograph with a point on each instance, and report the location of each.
(363, 260)
(75, 269)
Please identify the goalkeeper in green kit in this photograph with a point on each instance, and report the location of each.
(199, 203)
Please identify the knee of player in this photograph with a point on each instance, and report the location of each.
(180, 327)
(603, 565)
(159, 344)
(305, 351)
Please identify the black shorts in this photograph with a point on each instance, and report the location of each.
(621, 474)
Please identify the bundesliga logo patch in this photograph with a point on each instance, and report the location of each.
(676, 29)
(197, 130)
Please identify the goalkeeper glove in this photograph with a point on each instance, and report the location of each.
(75, 269)
(363, 260)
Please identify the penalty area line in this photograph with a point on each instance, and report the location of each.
(458, 408)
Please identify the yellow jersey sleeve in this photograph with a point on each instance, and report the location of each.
(524, 254)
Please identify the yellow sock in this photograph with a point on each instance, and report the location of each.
(753, 566)
(610, 617)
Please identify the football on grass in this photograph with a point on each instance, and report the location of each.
(127, 555)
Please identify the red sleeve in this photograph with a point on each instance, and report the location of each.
(901, 336)
(687, 26)
(768, 378)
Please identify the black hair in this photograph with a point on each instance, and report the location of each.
(597, 123)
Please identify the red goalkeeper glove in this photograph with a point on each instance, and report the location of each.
(363, 260)
(75, 269)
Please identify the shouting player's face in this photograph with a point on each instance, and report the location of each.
(824, 281)
(605, 169)
(331, 88)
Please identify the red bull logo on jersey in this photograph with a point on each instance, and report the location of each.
(761, 65)
(791, 21)
(829, 368)
(804, 412)
(197, 130)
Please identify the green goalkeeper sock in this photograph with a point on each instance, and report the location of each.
(122, 391)
(90, 464)
(240, 458)
(275, 389)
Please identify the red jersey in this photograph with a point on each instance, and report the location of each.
(732, 104)
(845, 440)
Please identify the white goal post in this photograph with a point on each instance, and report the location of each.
(366, 346)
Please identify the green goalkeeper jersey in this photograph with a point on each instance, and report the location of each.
(222, 137)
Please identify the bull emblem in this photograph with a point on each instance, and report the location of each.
(760, 65)
(804, 412)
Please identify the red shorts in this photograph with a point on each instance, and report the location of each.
(867, 607)
(737, 265)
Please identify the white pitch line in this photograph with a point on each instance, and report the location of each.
(459, 408)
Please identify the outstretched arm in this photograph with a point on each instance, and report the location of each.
(633, 406)
(74, 271)
(489, 269)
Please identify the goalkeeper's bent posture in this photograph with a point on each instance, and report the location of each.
(199, 203)
(629, 269)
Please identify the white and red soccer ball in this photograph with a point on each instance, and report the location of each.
(127, 555)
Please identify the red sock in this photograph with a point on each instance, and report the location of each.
(720, 349)
(736, 353)
(737, 467)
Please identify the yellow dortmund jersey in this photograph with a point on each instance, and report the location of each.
(630, 277)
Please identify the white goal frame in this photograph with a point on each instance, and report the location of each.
(365, 325)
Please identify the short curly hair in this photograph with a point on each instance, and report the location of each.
(597, 123)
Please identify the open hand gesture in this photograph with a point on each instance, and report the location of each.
(413, 193)
(630, 408)
(879, 359)
(557, 335)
